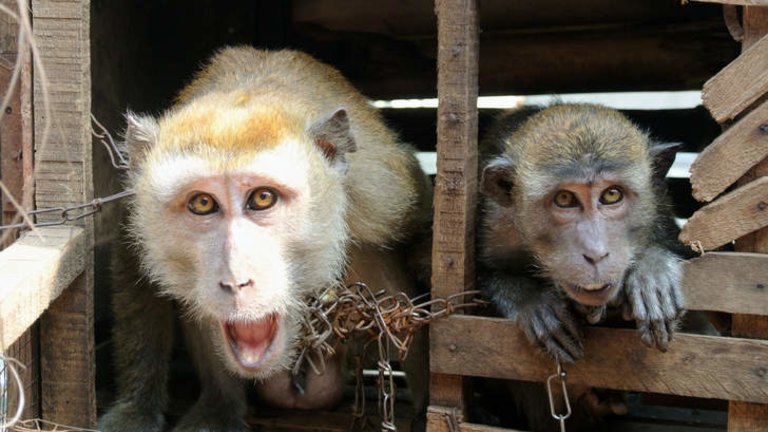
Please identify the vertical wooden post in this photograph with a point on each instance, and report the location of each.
(64, 178)
(15, 134)
(453, 255)
(745, 417)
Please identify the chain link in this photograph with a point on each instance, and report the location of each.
(340, 312)
(561, 375)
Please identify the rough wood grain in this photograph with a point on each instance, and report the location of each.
(743, 416)
(737, 2)
(731, 155)
(734, 215)
(738, 85)
(438, 421)
(33, 272)
(453, 243)
(702, 366)
(733, 282)
(64, 177)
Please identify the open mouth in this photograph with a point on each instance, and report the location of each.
(591, 288)
(250, 341)
(592, 294)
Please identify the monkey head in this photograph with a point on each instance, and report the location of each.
(574, 188)
(238, 214)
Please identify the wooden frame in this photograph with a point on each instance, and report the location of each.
(727, 282)
(49, 272)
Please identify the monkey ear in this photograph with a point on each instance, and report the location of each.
(140, 134)
(333, 137)
(496, 181)
(662, 158)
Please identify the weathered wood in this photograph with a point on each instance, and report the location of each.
(737, 2)
(731, 155)
(702, 366)
(26, 351)
(741, 416)
(64, 177)
(734, 215)
(456, 181)
(739, 84)
(438, 418)
(733, 282)
(33, 272)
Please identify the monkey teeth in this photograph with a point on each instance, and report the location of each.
(250, 340)
(594, 287)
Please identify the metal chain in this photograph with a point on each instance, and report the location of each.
(561, 375)
(76, 212)
(339, 312)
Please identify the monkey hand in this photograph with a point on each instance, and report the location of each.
(653, 297)
(551, 325)
(128, 417)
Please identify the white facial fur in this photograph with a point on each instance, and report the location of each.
(288, 250)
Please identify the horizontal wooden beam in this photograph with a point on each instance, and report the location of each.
(33, 272)
(739, 84)
(733, 282)
(736, 2)
(731, 155)
(736, 214)
(695, 365)
(439, 419)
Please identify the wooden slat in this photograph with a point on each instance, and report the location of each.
(737, 2)
(733, 282)
(702, 366)
(734, 215)
(456, 181)
(746, 416)
(438, 421)
(739, 84)
(738, 149)
(64, 177)
(33, 272)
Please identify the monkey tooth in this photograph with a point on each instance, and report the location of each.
(251, 340)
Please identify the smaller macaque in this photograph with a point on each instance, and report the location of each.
(575, 221)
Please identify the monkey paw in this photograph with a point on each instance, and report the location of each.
(551, 326)
(653, 297)
(127, 417)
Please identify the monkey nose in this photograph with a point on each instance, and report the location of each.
(232, 287)
(594, 258)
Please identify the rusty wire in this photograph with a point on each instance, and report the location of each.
(391, 320)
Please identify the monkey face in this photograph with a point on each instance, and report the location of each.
(241, 241)
(581, 239)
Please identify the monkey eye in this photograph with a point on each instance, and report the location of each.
(202, 204)
(565, 199)
(261, 199)
(612, 195)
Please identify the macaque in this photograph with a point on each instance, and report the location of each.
(270, 179)
(574, 225)
(575, 221)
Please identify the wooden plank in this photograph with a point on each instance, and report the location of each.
(63, 169)
(695, 365)
(739, 84)
(453, 246)
(731, 155)
(733, 282)
(744, 416)
(33, 272)
(734, 215)
(439, 418)
(736, 2)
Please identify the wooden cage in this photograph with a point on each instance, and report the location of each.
(95, 62)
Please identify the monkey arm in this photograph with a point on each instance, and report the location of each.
(541, 312)
(653, 297)
(142, 339)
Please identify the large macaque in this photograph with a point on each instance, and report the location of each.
(575, 221)
(270, 179)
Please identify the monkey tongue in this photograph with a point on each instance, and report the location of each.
(250, 340)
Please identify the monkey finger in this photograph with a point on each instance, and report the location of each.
(639, 310)
(666, 298)
(532, 327)
(660, 335)
(568, 321)
(563, 341)
(553, 337)
(645, 333)
(626, 312)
